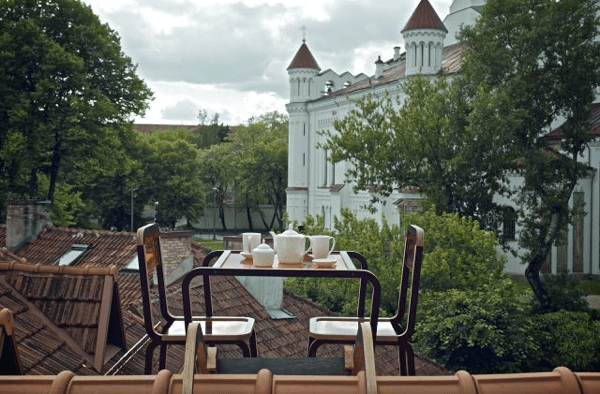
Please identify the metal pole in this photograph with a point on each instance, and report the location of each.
(131, 227)
(215, 190)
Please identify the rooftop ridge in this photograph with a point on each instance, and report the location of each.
(59, 269)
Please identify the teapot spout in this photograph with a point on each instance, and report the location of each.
(274, 240)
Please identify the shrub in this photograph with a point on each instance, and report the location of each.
(457, 253)
(484, 330)
(564, 292)
(567, 338)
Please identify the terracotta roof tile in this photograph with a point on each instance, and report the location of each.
(424, 17)
(41, 350)
(557, 134)
(148, 128)
(303, 59)
(452, 56)
(69, 297)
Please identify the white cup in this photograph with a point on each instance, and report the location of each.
(250, 241)
(319, 245)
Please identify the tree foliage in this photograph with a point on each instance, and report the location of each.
(66, 89)
(545, 57)
(173, 177)
(260, 160)
(422, 139)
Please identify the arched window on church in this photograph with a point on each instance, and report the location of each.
(509, 224)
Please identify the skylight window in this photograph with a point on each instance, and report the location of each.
(73, 254)
(132, 266)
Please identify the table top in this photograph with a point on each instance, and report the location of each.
(234, 259)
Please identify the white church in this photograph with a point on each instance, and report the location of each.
(317, 186)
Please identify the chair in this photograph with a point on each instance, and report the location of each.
(390, 331)
(171, 329)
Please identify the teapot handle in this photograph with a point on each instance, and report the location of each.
(310, 244)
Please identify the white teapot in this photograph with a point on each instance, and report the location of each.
(290, 246)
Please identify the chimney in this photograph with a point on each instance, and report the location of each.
(396, 53)
(25, 219)
(176, 250)
(378, 68)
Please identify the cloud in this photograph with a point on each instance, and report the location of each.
(185, 110)
(231, 56)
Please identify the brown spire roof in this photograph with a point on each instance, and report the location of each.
(304, 59)
(424, 17)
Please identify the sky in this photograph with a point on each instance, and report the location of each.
(230, 56)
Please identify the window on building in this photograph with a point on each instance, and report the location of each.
(325, 169)
(72, 255)
(509, 224)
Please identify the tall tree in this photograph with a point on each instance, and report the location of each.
(173, 177)
(422, 139)
(217, 165)
(261, 164)
(65, 90)
(545, 56)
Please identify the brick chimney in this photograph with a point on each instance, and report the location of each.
(25, 219)
(176, 249)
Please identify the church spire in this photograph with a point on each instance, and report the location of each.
(303, 58)
(424, 17)
(424, 36)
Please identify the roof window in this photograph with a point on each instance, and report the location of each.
(132, 266)
(72, 255)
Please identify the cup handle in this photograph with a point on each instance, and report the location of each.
(332, 246)
(310, 244)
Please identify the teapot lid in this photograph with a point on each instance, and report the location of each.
(290, 232)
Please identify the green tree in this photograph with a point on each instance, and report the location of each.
(261, 164)
(217, 166)
(544, 56)
(422, 141)
(173, 177)
(65, 90)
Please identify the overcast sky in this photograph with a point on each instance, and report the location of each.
(230, 57)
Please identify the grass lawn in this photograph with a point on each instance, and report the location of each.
(213, 245)
(590, 286)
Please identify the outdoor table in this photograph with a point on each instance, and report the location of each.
(231, 263)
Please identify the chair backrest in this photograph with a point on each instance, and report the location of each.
(410, 277)
(149, 261)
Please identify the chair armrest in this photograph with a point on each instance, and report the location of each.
(364, 357)
(198, 358)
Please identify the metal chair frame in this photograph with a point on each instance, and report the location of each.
(171, 330)
(390, 331)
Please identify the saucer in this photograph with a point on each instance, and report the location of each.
(324, 262)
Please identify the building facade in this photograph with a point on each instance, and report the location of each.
(317, 98)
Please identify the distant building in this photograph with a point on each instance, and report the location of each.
(317, 98)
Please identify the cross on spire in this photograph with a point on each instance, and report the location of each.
(303, 28)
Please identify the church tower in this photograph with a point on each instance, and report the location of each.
(424, 36)
(302, 72)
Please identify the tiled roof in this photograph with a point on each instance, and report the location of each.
(78, 303)
(452, 56)
(303, 59)
(424, 17)
(557, 134)
(275, 338)
(148, 128)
